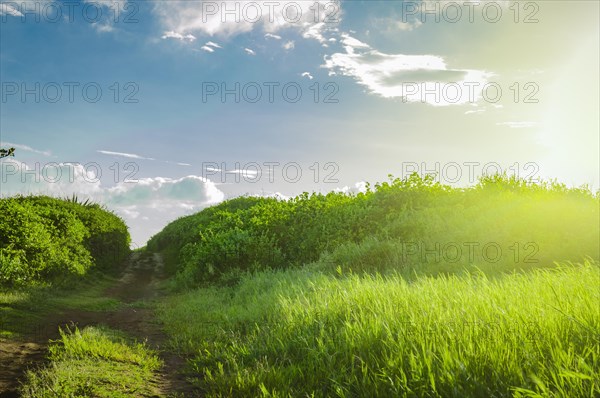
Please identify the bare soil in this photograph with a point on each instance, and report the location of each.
(139, 283)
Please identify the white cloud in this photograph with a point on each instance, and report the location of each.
(249, 51)
(210, 47)
(174, 35)
(359, 187)
(125, 155)
(103, 28)
(14, 8)
(112, 4)
(307, 74)
(247, 173)
(289, 45)
(274, 195)
(272, 36)
(229, 18)
(149, 191)
(27, 148)
(315, 32)
(154, 202)
(56, 179)
(394, 24)
(414, 78)
(471, 112)
(8, 9)
(18, 7)
(107, 19)
(518, 125)
(134, 156)
(146, 205)
(212, 44)
(408, 26)
(352, 43)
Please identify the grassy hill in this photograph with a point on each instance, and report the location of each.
(411, 289)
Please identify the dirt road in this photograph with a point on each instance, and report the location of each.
(140, 282)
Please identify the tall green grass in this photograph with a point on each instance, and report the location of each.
(94, 362)
(22, 311)
(303, 333)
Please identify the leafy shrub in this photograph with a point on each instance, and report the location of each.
(404, 224)
(49, 239)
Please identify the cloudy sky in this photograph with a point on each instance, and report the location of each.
(160, 108)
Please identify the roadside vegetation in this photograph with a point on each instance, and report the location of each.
(51, 241)
(22, 310)
(412, 225)
(60, 255)
(94, 362)
(411, 289)
(302, 333)
(56, 254)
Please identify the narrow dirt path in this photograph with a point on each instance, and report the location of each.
(139, 283)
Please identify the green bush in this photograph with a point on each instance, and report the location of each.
(411, 224)
(44, 239)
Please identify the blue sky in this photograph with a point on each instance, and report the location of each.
(175, 140)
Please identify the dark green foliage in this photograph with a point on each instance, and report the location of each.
(44, 239)
(393, 226)
(4, 153)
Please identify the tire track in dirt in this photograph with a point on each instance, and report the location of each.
(140, 282)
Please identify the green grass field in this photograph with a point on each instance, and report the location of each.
(301, 333)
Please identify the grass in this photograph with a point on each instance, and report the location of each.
(22, 309)
(303, 333)
(94, 362)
